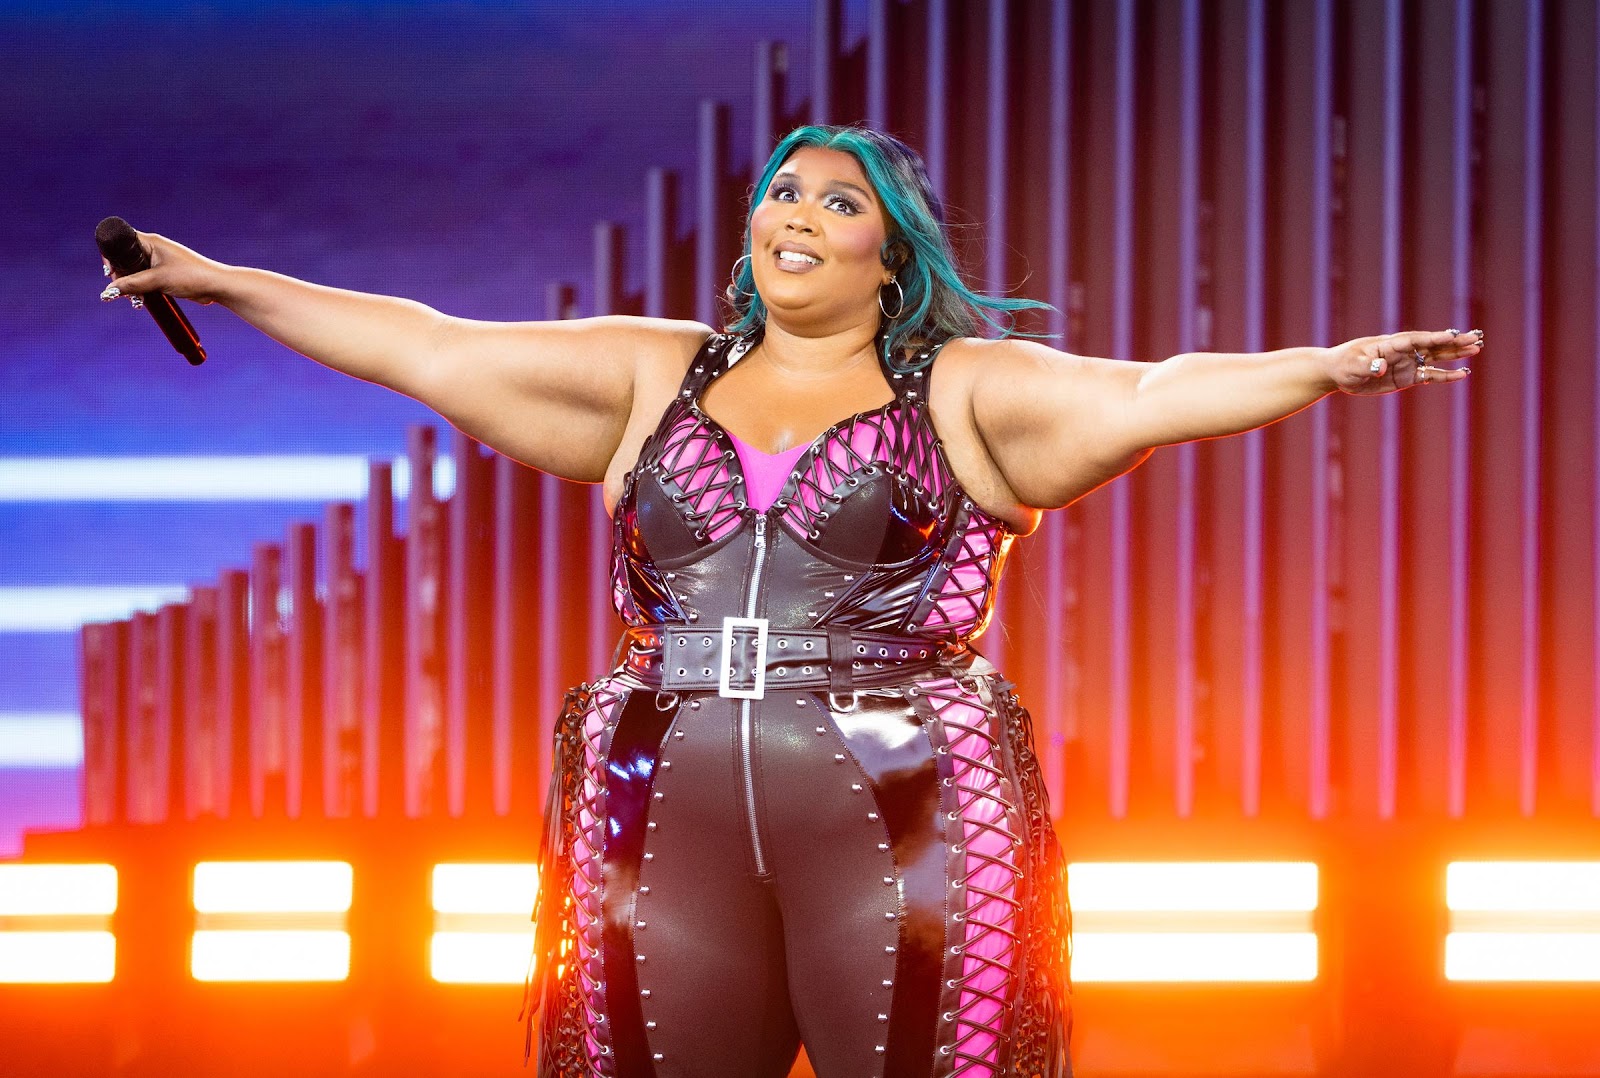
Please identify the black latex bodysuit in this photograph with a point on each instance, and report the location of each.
(866, 863)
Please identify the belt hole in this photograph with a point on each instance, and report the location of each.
(809, 644)
(682, 672)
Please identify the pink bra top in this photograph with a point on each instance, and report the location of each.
(764, 473)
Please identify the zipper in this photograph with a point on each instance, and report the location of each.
(745, 723)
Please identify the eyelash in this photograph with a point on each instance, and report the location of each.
(854, 207)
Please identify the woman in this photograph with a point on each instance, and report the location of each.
(801, 807)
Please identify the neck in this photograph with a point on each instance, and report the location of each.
(805, 356)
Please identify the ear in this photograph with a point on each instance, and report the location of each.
(896, 253)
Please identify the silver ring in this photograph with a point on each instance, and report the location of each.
(137, 301)
(1376, 366)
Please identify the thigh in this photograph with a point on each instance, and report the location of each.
(918, 911)
(706, 950)
(675, 966)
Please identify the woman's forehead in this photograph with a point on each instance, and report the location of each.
(821, 165)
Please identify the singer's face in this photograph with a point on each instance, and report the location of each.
(821, 208)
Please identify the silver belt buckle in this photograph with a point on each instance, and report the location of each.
(760, 671)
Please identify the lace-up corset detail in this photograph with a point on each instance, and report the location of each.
(871, 529)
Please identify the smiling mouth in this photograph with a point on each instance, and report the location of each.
(797, 260)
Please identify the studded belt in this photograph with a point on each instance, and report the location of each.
(747, 656)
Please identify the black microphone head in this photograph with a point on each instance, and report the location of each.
(120, 245)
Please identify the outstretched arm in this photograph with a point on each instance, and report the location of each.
(1059, 425)
(554, 395)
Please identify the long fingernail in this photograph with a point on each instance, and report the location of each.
(1466, 370)
(111, 292)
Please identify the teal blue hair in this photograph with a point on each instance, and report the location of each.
(938, 305)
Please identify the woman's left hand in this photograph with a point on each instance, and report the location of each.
(1369, 365)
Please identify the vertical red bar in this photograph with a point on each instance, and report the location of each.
(303, 682)
(383, 687)
(519, 751)
(425, 603)
(342, 666)
(202, 787)
(471, 586)
(104, 688)
(233, 693)
(268, 695)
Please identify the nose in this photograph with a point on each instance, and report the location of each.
(800, 219)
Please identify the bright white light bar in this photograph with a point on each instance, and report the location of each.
(481, 957)
(54, 922)
(1200, 885)
(1522, 956)
(482, 931)
(485, 888)
(65, 608)
(40, 739)
(1194, 956)
(1225, 921)
(300, 477)
(39, 890)
(1523, 885)
(1523, 921)
(270, 956)
(272, 886)
(57, 957)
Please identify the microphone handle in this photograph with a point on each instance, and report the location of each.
(175, 324)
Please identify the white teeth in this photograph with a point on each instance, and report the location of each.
(796, 256)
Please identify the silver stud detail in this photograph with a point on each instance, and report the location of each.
(838, 757)
(650, 1025)
(888, 950)
(888, 984)
(883, 845)
(821, 731)
(872, 815)
(666, 765)
(883, 1018)
(877, 1048)
(658, 1057)
(956, 949)
(679, 733)
(645, 889)
(889, 916)
(644, 993)
(649, 857)
(638, 924)
(641, 958)
(658, 795)
(855, 786)
(799, 701)
(889, 880)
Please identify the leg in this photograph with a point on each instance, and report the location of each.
(712, 984)
(936, 798)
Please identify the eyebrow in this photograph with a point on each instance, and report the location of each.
(791, 174)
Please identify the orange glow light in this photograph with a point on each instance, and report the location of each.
(55, 924)
(482, 930)
(1193, 921)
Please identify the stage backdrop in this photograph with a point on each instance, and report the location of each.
(454, 153)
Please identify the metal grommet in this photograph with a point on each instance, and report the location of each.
(809, 644)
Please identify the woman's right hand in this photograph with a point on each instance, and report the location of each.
(174, 269)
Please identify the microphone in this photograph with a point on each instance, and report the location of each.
(119, 245)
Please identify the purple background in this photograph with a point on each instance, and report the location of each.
(458, 154)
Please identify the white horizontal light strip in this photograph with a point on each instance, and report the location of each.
(65, 608)
(1523, 921)
(1194, 956)
(40, 739)
(40, 890)
(300, 477)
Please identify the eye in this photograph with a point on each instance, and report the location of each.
(849, 203)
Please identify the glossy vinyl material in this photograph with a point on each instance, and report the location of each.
(909, 913)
